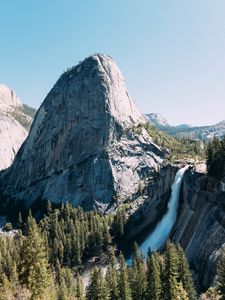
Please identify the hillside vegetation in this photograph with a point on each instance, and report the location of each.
(24, 115)
(216, 158)
(176, 147)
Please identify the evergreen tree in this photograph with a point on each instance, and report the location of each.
(79, 288)
(20, 221)
(216, 158)
(112, 280)
(154, 287)
(185, 275)
(182, 294)
(170, 284)
(138, 276)
(97, 289)
(34, 268)
(124, 286)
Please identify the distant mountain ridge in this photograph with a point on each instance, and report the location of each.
(185, 130)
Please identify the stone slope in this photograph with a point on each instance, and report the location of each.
(12, 132)
(82, 147)
(200, 228)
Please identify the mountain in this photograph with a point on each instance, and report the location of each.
(157, 120)
(15, 120)
(185, 130)
(82, 146)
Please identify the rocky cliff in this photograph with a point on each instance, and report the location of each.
(148, 208)
(200, 228)
(82, 146)
(13, 129)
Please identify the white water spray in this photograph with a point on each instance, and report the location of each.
(163, 229)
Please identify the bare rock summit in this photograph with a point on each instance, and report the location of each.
(83, 146)
(13, 129)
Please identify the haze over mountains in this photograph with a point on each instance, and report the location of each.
(184, 130)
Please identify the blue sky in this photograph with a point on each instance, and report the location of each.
(171, 52)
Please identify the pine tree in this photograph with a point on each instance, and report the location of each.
(138, 276)
(97, 289)
(181, 293)
(124, 286)
(112, 279)
(79, 288)
(20, 221)
(154, 287)
(170, 286)
(34, 268)
(185, 275)
(49, 208)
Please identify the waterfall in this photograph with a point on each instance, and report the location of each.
(162, 231)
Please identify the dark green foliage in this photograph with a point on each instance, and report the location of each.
(185, 275)
(171, 275)
(120, 222)
(124, 285)
(97, 289)
(138, 280)
(216, 158)
(112, 280)
(178, 147)
(154, 285)
(7, 227)
(42, 262)
(24, 115)
(33, 265)
(30, 111)
(73, 236)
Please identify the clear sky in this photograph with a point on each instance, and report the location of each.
(171, 52)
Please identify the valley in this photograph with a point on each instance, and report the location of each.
(90, 178)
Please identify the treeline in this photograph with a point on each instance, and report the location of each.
(216, 158)
(26, 272)
(43, 261)
(161, 277)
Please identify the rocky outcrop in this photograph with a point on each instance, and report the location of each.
(12, 132)
(82, 146)
(149, 207)
(157, 120)
(200, 228)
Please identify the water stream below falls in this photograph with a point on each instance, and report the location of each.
(161, 233)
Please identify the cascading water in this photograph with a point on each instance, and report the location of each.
(161, 233)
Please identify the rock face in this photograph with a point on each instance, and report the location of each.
(200, 228)
(157, 120)
(82, 146)
(147, 209)
(12, 132)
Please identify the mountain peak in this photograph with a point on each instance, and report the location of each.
(82, 146)
(8, 97)
(157, 120)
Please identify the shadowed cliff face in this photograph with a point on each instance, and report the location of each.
(82, 147)
(200, 228)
